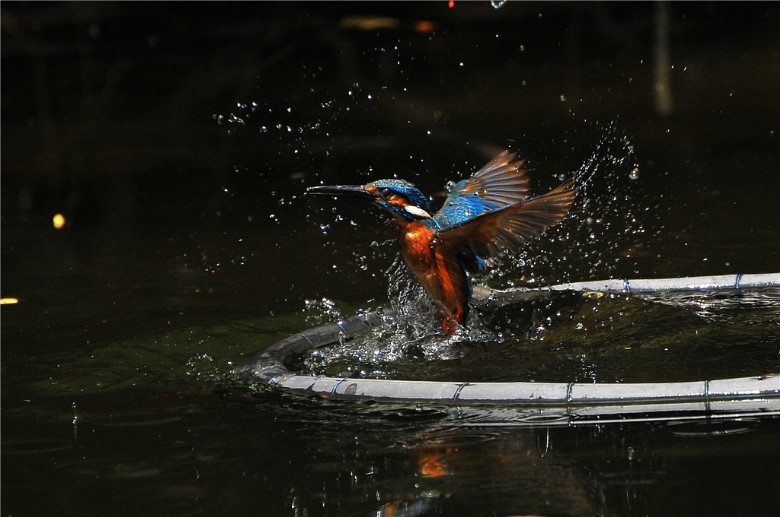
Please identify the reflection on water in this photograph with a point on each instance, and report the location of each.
(422, 460)
(146, 418)
(202, 454)
(316, 457)
(154, 236)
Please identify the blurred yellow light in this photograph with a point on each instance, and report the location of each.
(58, 221)
(9, 301)
(369, 23)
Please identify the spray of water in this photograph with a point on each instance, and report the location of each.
(413, 334)
(603, 236)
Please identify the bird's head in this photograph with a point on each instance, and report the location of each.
(399, 197)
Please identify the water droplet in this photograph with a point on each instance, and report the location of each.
(634, 174)
(497, 4)
(562, 98)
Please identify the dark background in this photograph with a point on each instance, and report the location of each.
(108, 108)
(177, 139)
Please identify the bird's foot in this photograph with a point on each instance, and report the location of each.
(451, 324)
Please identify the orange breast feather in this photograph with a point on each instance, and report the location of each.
(432, 269)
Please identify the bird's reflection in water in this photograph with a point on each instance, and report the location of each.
(518, 466)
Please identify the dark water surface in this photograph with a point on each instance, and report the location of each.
(177, 139)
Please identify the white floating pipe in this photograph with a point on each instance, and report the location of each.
(484, 295)
(699, 394)
(758, 394)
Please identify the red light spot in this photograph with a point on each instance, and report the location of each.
(424, 26)
(432, 465)
(451, 4)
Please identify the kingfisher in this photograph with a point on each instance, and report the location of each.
(483, 217)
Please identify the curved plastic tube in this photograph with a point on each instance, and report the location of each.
(759, 394)
(486, 295)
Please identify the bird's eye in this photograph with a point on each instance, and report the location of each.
(386, 192)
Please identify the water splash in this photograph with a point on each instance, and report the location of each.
(600, 238)
(726, 306)
(605, 233)
(319, 312)
(413, 335)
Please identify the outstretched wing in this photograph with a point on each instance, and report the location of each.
(501, 182)
(507, 229)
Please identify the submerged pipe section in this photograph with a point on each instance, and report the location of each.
(760, 394)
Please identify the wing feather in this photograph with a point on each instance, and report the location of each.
(499, 183)
(507, 229)
(502, 180)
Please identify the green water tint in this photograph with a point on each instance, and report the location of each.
(571, 337)
(196, 358)
(566, 338)
(189, 247)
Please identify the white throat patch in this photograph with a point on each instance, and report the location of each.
(417, 211)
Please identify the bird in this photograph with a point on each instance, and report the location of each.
(484, 217)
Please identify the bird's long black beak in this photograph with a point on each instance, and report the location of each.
(341, 190)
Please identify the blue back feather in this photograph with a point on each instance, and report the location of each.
(459, 207)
